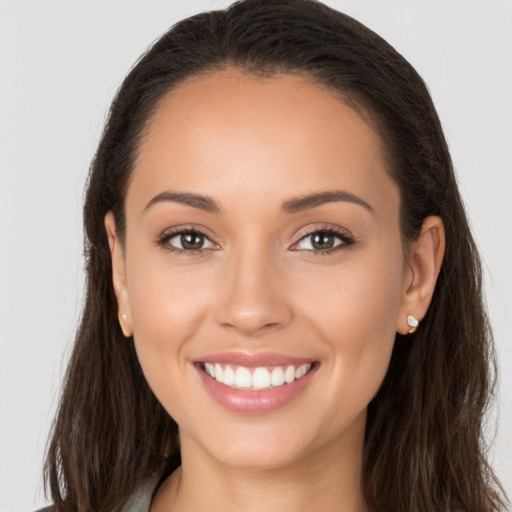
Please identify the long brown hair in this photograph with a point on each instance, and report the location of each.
(424, 449)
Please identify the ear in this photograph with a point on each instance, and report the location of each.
(119, 275)
(423, 266)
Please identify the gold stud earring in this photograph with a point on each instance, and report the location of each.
(412, 323)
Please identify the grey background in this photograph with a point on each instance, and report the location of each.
(60, 64)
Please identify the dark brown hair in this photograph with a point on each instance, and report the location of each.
(424, 449)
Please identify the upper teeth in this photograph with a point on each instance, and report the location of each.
(255, 378)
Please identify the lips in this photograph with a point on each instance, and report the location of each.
(254, 383)
(252, 360)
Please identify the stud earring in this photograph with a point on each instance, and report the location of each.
(412, 323)
(123, 328)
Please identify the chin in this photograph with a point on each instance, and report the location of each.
(259, 457)
(252, 446)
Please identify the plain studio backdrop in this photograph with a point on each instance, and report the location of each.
(60, 65)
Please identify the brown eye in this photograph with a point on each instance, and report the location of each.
(192, 241)
(186, 241)
(321, 241)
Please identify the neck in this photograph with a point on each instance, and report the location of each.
(327, 480)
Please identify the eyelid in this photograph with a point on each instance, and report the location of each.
(346, 238)
(163, 239)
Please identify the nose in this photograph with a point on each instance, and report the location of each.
(253, 295)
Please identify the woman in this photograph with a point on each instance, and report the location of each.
(283, 295)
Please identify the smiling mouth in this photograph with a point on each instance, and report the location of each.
(255, 379)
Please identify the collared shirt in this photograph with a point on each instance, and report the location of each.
(139, 501)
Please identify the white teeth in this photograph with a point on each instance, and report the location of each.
(229, 376)
(302, 370)
(219, 373)
(289, 374)
(256, 378)
(210, 369)
(261, 378)
(242, 378)
(277, 378)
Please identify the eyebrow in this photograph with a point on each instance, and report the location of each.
(294, 205)
(195, 200)
(306, 202)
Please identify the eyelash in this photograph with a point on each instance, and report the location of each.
(163, 240)
(346, 240)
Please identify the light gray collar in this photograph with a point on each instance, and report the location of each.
(140, 500)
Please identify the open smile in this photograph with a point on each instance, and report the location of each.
(252, 383)
(259, 378)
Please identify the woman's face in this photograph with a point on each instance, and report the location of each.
(262, 234)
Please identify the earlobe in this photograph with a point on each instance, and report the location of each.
(119, 275)
(425, 260)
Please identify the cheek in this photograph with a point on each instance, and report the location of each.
(167, 307)
(360, 295)
(353, 311)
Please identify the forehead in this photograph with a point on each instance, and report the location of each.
(234, 135)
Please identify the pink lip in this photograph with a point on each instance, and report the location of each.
(250, 401)
(252, 360)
